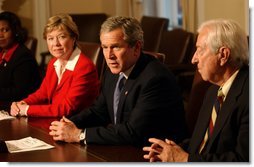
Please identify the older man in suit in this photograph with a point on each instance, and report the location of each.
(149, 97)
(222, 129)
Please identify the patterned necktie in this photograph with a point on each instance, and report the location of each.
(216, 109)
(118, 89)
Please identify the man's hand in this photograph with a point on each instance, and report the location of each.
(64, 130)
(165, 151)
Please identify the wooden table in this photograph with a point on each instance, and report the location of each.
(63, 152)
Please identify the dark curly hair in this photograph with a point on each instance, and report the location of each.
(20, 33)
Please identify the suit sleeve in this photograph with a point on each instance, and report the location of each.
(233, 144)
(238, 154)
(156, 103)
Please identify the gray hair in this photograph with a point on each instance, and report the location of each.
(227, 33)
(131, 28)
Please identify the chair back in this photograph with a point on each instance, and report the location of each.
(177, 45)
(197, 94)
(31, 43)
(94, 52)
(89, 26)
(159, 56)
(153, 28)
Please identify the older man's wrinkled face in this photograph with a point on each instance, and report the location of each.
(207, 62)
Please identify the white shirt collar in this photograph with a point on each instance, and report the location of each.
(127, 72)
(71, 63)
(228, 83)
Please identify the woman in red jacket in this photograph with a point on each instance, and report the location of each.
(71, 82)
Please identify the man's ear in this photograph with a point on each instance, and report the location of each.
(137, 48)
(224, 55)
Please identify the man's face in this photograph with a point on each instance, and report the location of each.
(118, 54)
(207, 61)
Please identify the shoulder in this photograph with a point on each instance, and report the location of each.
(150, 71)
(85, 62)
(51, 62)
(23, 48)
(23, 55)
(23, 52)
(244, 74)
(241, 82)
(84, 59)
(155, 68)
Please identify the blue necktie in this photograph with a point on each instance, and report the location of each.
(118, 89)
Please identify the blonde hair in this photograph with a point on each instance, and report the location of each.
(61, 21)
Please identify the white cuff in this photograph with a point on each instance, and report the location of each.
(24, 113)
(85, 136)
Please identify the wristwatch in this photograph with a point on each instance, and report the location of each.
(82, 136)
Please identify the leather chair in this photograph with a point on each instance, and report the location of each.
(94, 52)
(89, 26)
(153, 28)
(195, 100)
(159, 56)
(31, 43)
(178, 46)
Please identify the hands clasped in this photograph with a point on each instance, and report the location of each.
(18, 108)
(64, 130)
(165, 151)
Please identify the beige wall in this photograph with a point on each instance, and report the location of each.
(208, 9)
(82, 6)
(229, 9)
(235, 9)
(23, 8)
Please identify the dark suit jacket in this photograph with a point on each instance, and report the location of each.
(150, 106)
(19, 77)
(230, 139)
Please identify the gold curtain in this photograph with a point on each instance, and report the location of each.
(190, 19)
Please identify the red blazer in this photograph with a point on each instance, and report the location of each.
(76, 90)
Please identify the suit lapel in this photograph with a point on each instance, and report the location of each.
(111, 84)
(201, 126)
(52, 80)
(131, 81)
(228, 106)
(127, 87)
(66, 75)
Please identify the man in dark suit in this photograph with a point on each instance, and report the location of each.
(222, 131)
(149, 100)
